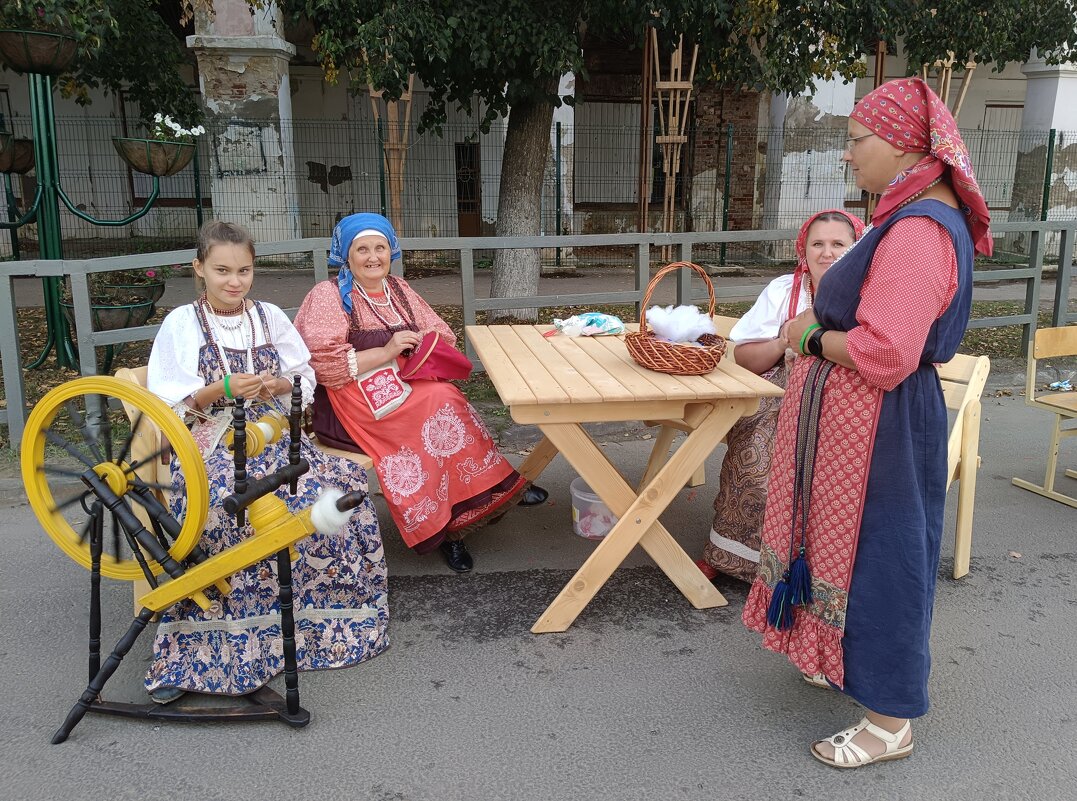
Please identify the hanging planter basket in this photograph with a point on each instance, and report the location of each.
(37, 51)
(135, 293)
(108, 316)
(154, 156)
(16, 155)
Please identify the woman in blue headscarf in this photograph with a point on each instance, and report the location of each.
(438, 466)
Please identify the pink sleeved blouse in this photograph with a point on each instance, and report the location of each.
(324, 325)
(911, 281)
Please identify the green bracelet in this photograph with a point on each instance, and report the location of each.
(804, 337)
(227, 389)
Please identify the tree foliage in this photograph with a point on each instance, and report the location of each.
(1000, 32)
(115, 41)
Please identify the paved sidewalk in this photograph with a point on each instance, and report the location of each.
(642, 698)
(287, 288)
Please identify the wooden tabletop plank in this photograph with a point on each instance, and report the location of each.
(543, 385)
(668, 386)
(597, 376)
(756, 385)
(507, 380)
(640, 385)
(564, 372)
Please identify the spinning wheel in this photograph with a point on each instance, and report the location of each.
(82, 418)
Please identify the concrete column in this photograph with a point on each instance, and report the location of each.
(1049, 104)
(243, 76)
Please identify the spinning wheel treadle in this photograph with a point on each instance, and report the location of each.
(82, 418)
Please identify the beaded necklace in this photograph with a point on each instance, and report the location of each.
(385, 304)
(201, 310)
(916, 196)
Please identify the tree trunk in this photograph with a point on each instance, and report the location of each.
(519, 204)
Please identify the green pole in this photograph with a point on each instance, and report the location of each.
(198, 211)
(725, 190)
(557, 185)
(381, 167)
(49, 235)
(1048, 169)
(12, 215)
(12, 208)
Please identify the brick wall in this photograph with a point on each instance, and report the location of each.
(715, 108)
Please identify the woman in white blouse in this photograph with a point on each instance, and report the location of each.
(222, 347)
(733, 547)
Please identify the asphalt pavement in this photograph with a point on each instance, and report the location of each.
(643, 697)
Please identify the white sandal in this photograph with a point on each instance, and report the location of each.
(848, 754)
(816, 680)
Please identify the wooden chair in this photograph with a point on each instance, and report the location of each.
(1052, 343)
(963, 379)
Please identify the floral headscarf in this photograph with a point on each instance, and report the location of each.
(343, 236)
(906, 114)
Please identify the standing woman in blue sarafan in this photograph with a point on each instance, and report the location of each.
(225, 346)
(855, 498)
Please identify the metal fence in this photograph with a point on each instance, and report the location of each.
(735, 178)
(685, 246)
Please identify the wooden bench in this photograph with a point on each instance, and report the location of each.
(1052, 343)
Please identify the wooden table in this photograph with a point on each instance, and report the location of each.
(559, 383)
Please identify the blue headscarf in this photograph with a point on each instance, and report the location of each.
(344, 235)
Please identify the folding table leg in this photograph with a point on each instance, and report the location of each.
(638, 523)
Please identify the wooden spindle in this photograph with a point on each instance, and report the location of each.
(295, 429)
(287, 630)
(239, 453)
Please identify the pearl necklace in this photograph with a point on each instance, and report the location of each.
(385, 304)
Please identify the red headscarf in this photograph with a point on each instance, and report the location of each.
(802, 252)
(909, 116)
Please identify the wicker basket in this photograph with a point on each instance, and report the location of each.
(671, 357)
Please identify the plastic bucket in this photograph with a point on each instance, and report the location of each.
(591, 519)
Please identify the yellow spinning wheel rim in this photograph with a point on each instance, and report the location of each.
(44, 504)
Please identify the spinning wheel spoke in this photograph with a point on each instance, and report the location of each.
(106, 426)
(151, 459)
(89, 436)
(65, 504)
(59, 441)
(85, 530)
(60, 471)
(125, 448)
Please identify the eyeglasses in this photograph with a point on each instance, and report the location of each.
(852, 140)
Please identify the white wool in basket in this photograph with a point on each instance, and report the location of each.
(680, 324)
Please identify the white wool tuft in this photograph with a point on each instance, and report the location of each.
(680, 324)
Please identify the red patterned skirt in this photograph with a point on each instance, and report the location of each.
(438, 465)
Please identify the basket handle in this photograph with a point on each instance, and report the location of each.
(662, 274)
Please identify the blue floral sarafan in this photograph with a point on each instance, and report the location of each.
(339, 580)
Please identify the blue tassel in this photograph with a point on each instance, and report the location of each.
(800, 581)
(780, 611)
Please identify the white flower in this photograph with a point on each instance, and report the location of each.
(157, 117)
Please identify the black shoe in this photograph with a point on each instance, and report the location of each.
(456, 556)
(533, 496)
(166, 695)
